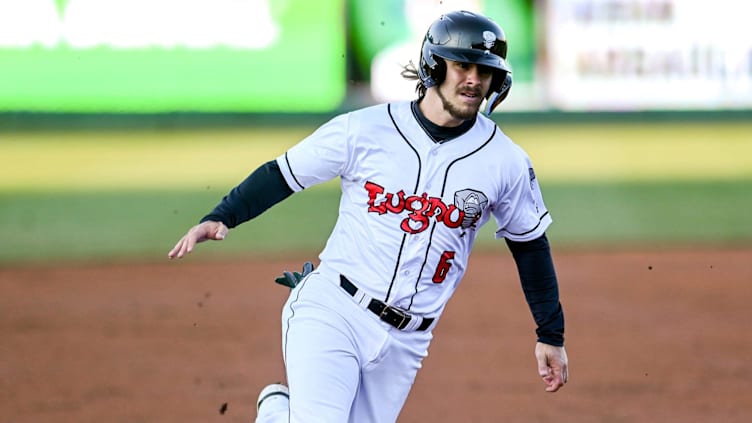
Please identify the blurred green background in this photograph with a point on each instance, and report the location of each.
(111, 154)
(121, 195)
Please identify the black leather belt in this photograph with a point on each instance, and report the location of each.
(392, 315)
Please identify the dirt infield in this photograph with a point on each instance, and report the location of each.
(658, 337)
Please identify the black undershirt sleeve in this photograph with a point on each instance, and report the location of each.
(538, 278)
(263, 188)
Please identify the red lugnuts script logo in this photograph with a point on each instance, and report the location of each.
(422, 208)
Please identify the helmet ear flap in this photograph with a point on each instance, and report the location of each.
(432, 75)
(495, 97)
(438, 73)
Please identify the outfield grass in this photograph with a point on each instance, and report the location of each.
(106, 226)
(181, 159)
(114, 195)
(136, 160)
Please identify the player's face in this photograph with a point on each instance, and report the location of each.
(462, 90)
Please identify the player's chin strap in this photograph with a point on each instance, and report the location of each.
(496, 97)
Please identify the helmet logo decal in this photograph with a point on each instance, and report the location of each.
(489, 38)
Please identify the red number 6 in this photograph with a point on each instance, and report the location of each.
(445, 262)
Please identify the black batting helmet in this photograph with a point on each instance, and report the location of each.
(468, 37)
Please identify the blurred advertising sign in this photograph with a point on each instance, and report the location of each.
(648, 54)
(171, 55)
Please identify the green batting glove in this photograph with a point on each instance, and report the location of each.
(292, 279)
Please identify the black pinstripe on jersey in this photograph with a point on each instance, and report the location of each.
(443, 189)
(415, 191)
(417, 115)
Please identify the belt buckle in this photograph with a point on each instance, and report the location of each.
(404, 317)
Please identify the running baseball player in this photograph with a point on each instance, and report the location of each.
(418, 180)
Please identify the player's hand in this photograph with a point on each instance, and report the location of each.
(203, 231)
(552, 365)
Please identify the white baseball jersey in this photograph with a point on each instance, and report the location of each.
(410, 207)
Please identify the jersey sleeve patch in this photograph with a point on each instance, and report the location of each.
(523, 215)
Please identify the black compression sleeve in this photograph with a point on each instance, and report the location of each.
(538, 278)
(262, 189)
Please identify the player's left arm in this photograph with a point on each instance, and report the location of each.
(552, 365)
(540, 286)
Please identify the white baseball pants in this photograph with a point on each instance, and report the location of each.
(343, 364)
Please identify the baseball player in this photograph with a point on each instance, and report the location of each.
(418, 179)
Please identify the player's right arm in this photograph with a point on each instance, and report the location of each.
(262, 189)
(203, 231)
(318, 158)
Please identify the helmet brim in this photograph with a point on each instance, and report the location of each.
(485, 58)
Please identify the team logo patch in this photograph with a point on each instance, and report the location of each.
(422, 209)
(472, 203)
(489, 39)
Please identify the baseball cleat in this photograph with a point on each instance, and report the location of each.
(270, 391)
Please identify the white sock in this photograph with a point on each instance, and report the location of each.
(275, 408)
